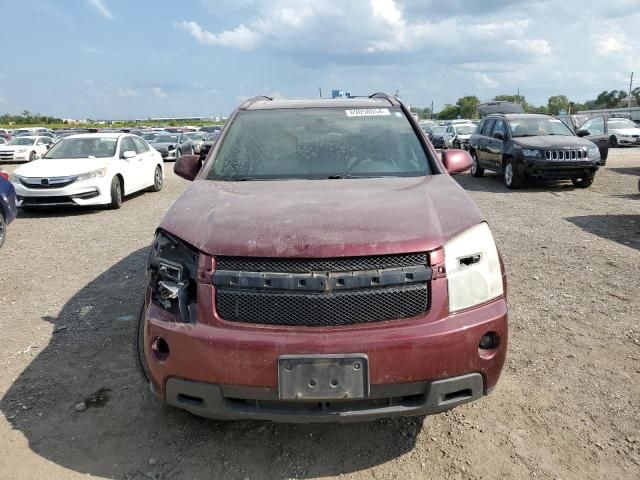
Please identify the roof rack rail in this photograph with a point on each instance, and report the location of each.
(247, 103)
(394, 101)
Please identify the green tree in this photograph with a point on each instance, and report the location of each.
(635, 96)
(612, 99)
(423, 113)
(557, 103)
(468, 105)
(449, 112)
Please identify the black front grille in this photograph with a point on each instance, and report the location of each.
(322, 309)
(48, 185)
(305, 265)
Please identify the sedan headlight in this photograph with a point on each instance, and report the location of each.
(14, 178)
(21, 150)
(473, 268)
(531, 153)
(101, 172)
(593, 152)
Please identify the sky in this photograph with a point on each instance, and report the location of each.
(123, 59)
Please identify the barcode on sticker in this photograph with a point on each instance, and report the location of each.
(368, 112)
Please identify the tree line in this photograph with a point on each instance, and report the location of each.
(466, 107)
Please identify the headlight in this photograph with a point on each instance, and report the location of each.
(21, 150)
(531, 153)
(95, 174)
(593, 152)
(473, 268)
(14, 178)
(172, 270)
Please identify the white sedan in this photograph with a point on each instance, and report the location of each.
(89, 169)
(25, 149)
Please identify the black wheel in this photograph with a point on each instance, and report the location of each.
(116, 193)
(178, 154)
(158, 179)
(476, 170)
(32, 156)
(613, 141)
(3, 229)
(138, 346)
(510, 175)
(584, 182)
(456, 145)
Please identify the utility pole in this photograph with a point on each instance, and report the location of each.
(629, 97)
(320, 90)
(518, 96)
(432, 109)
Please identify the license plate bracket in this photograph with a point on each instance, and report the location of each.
(323, 377)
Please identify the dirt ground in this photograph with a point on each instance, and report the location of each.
(567, 405)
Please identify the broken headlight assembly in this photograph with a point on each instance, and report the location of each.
(172, 270)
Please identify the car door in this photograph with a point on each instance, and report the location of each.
(41, 146)
(597, 128)
(483, 143)
(495, 145)
(129, 167)
(146, 160)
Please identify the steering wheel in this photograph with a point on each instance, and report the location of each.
(372, 158)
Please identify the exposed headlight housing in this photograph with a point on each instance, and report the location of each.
(531, 153)
(21, 150)
(172, 270)
(14, 178)
(473, 269)
(101, 172)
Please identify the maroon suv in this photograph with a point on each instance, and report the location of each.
(323, 266)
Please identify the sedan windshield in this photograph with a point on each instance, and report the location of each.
(166, 139)
(319, 143)
(531, 127)
(621, 123)
(465, 129)
(22, 141)
(195, 136)
(92, 147)
(438, 130)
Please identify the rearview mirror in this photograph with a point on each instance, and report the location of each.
(583, 132)
(456, 161)
(188, 166)
(128, 154)
(498, 135)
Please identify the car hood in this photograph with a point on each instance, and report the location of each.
(13, 148)
(553, 141)
(625, 131)
(61, 168)
(321, 218)
(162, 145)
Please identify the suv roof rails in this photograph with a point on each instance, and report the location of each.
(394, 101)
(247, 103)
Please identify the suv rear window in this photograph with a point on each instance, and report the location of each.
(319, 143)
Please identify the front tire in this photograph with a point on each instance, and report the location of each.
(3, 229)
(476, 170)
(158, 179)
(32, 156)
(116, 193)
(456, 145)
(138, 346)
(613, 141)
(584, 182)
(510, 176)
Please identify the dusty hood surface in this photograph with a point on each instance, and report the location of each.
(553, 141)
(61, 167)
(321, 218)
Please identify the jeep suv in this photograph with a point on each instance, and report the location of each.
(530, 145)
(323, 266)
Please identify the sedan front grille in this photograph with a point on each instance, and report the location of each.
(6, 155)
(322, 309)
(566, 155)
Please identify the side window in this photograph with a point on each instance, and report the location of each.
(500, 126)
(141, 145)
(595, 126)
(488, 126)
(127, 145)
(40, 141)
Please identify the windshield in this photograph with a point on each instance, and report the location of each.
(621, 123)
(195, 136)
(22, 141)
(438, 129)
(93, 147)
(319, 143)
(531, 127)
(166, 139)
(465, 129)
(149, 136)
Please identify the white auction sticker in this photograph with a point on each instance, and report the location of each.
(368, 112)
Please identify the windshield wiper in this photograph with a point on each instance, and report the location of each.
(348, 175)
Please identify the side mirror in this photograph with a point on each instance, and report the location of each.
(188, 166)
(583, 132)
(498, 135)
(128, 154)
(456, 161)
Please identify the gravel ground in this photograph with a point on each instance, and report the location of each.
(566, 407)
